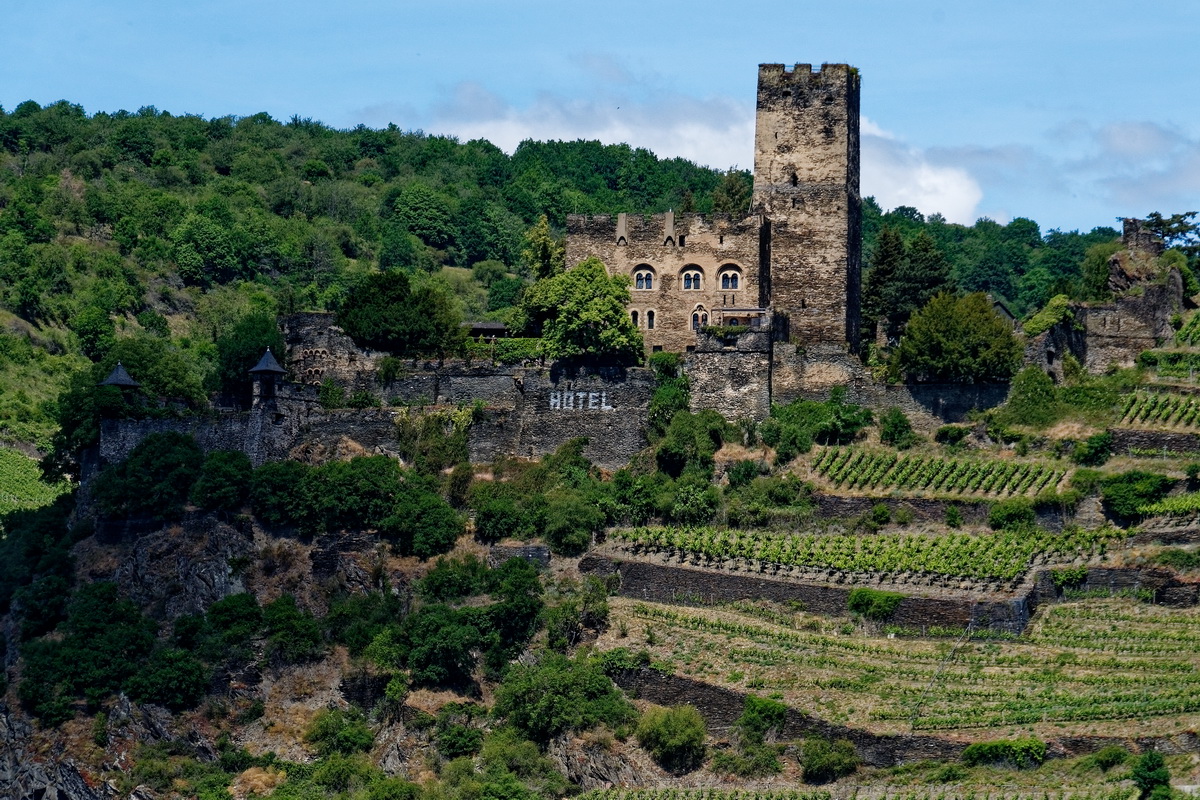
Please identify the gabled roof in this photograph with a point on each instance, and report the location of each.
(267, 365)
(119, 377)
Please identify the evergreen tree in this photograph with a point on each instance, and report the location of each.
(879, 291)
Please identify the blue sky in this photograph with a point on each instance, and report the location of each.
(1072, 113)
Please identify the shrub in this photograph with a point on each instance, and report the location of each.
(224, 483)
(951, 435)
(155, 479)
(455, 741)
(342, 732)
(873, 603)
(1023, 753)
(741, 473)
(824, 761)
(423, 524)
(171, 678)
(454, 579)
(1032, 401)
(896, 430)
(276, 492)
(1111, 756)
(953, 517)
(1093, 451)
(674, 737)
(558, 694)
(330, 395)
(293, 633)
(1126, 494)
(958, 340)
(571, 520)
(1150, 773)
(236, 617)
(1012, 514)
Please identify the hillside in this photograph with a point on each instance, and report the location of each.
(433, 568)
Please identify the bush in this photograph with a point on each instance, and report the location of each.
(951, 435)
(896, 430)
(571, 520)
(674, 737)
(559, 694)
(455, 741)
(873, 603)
(1020, 753)
(171, 678)
(454, 579)
(1127, 493)
(1032, 401)
(1108, 757)
(1150, 773)
(1093, 451)
(759, 717)
(824, 761)
(224, 483)
(1012, 514)
(422, 524)
(293, 633)
(958, 340)
(342, 732)
(953, 517)
(276, 492)
(155, 479)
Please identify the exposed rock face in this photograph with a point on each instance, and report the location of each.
(592, 765)
(179, 569)
(28, 773)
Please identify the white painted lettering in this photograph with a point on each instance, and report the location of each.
(593, 401)
(582, 399)
(555, 401)
(568, 403)
(604, 406)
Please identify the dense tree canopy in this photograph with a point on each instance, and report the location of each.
(959, 340)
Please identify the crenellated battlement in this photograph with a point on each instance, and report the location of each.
(805, 74)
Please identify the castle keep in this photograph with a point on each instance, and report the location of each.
(790, 263)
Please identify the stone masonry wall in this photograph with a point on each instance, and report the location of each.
(806, 182)
(665, 247)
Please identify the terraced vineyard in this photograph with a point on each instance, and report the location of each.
(1004, 555)
(1161, 409)
(21, 484)
(1179, 505)
(854, 468)
(1079, 665)
(931, 793)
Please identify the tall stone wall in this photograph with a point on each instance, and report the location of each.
(666, 247)
(732, 375)
(806, 182)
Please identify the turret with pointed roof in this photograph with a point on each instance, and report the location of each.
(120, 378)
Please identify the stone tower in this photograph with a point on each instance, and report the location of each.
(806, 185)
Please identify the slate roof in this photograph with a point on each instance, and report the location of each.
(267, 364)
(120, 377)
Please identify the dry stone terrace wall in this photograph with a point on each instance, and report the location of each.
(1128, 440)
(684, 585)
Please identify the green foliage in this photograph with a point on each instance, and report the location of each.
(155, 479)
(1031, 401)
(673, 736)
(22, 485)
(1026, 753)
(570, 522)
(456, 741)
(873, 603)
(342, 732)
(1056, 310)
(173, 678)
(1013, 513)
(953, 517)
(582, 312)
(1149, 773)
(760, 716)
(543, 253)
(824, 761)
(958, 340)
(240, 348)
(291, 632)
(432, 441)
(104, 644)
(276, 492)
(1177, 558)
(1128, 493)
(1095, 271)
(1093, 451)
(224, 482)
(792, 429)
(951, 435)
(855, 468)
(671, 392)
(558, 694)
(331, 395)
(690, 442)
(385, 312)
(1108, 757)
(896, 430)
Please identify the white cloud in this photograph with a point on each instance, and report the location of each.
(899, 174)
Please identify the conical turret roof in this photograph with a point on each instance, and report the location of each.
(120, 377)
(268, 365)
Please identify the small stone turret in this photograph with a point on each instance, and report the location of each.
(120, 378)
(264, 375)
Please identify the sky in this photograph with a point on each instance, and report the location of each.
(1070, 113)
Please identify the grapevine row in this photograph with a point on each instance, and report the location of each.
(1004, 555)
(851, 468)
(1161, 408)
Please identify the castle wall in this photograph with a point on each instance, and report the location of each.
(732, 376)
(667, 247)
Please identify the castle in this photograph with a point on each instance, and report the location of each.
(790, 262)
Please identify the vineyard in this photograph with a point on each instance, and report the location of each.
(21, 484)
(1161, 409)
(1003, 555)
(1080, 663)
(1178, 505)
(929, 793)
(852, 468)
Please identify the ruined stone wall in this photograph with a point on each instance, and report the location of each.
(810, 373)
(1118, 332)
(666, 247)
(732, 375)
(806, 182)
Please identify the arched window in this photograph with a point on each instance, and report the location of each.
(634, 314)
(692, 278)
(650, 320)
(731, 277)
(696, 321)
(643, 277)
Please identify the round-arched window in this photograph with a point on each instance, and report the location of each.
(691, 278)
(643, 277)
(730, 278)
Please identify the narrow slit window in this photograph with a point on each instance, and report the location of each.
(650, 320)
